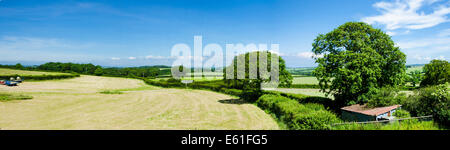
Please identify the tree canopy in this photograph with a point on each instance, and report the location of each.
(357, 59)
(252, 87)
(436, 72)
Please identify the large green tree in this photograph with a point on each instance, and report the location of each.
(252, 87)
(436, 72)
(357, 59)
(414, 77)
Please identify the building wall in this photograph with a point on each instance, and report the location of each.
(385, 115)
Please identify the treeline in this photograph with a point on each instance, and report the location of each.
(90, 69)
(40, 77)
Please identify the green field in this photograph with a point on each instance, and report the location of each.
(305, 80)
(92, 102)
(310, 92)
(411, 69)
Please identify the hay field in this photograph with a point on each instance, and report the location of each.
(5, 71)
(310, 92)
(77, 104)
(305, 80)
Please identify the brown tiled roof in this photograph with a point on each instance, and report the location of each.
(369, 111)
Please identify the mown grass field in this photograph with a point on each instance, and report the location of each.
(5, 71)
(411, 69)
(78, 103)
(305, 80)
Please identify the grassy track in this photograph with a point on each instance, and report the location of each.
(78, 104)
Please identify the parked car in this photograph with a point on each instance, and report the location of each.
(10, 83)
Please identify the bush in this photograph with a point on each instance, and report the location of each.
(303, 86)
(10, 97)
(295, 115)
(110, 92)
(432, 100)
(304, 99)
(401, 114)
(386, 96)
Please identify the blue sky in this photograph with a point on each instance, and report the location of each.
(136, 33)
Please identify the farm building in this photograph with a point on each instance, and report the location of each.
(361, 113)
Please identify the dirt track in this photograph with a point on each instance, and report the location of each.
(76, 104)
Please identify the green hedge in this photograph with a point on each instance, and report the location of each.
(304, 99)
(218, 86)
(39, 77)
(297, 116)
(302, 86)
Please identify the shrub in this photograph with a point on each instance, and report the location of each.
(303, 86)
(110, 92)
(432, 100)
(10, 97)
(401, 114)
(386, 96)
(304, 99)
(295, 115)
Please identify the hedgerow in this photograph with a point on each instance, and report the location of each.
(217, 86)
(40, 77)
(304, 99)
(295, 115)
(302, 86)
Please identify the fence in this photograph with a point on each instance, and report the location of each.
(383, 121)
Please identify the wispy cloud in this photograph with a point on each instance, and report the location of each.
(115, 58)
(14, 48)
(407, 14)
(425, 49)
(309, 55)
(155, 57)
(131, 58)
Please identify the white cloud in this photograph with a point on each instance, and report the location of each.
(131, 58)
(115, 58)
(308, 55)
(155, 57)
(423, 43)
(391, 33)
(404, 14)
(444, 33)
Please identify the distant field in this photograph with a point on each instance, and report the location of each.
(305, 80)
(78, 104)
(300, 71)
(310, 92)
(5, 71)
(408, 70)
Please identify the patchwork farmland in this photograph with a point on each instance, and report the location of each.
(78, 103)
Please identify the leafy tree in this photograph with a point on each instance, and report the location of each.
(98, 71)
(431, 100)
(415, 77)
(252, 87)
(357, 59)
(436, 72)
(19, 66)
(386, 96)
(401, 114)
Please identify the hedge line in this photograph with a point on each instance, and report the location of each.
(218, 86)
(302, 86)
(298, 116)
(304, 99)
(39, 77)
